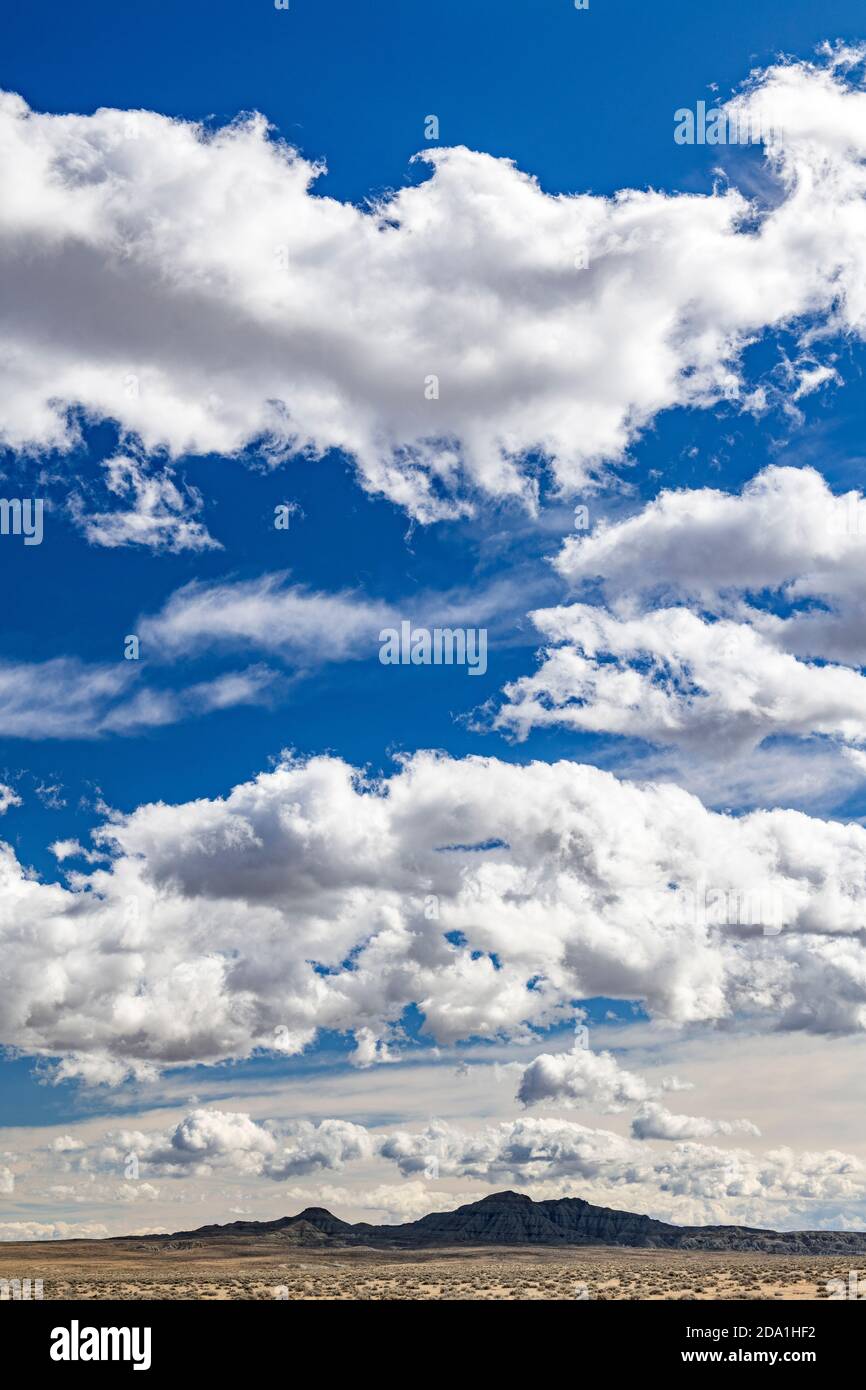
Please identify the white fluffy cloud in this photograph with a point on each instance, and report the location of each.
(654, 1121)
(523, 1151)
(190, 286)
(592, 1080)
(388, 1202)
(309, 898)
(533, 1150)
(587, 1080)
(674, 678)
(730, 636)
(52, 1230)
(786, 533)
(206, 1140)
(675, 1176)
(65, 1143)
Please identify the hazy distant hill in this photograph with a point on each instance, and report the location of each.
(509, 1218)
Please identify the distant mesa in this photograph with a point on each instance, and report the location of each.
(512, 1218)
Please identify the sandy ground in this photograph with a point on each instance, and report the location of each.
(96, 1270)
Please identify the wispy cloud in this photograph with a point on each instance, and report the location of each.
(70, 699)
(159, 514)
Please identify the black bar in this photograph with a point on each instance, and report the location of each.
(241, 1338)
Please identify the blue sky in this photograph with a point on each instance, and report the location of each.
(532, 87)
(584, 103)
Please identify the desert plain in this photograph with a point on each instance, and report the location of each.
(243, 1271)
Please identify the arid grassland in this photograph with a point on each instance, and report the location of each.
(100, 1270)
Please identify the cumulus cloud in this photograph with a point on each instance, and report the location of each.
(300, 901)
(785, 532)
(674, 678)
(685, 1178)
(203, 1140)
(592, 1080)
(8, 797)
(481, 320)
(206, 1140)
(721, 623)
(587, 1080)
(52, 1230)
(65, 1143)
(533, 1150)
(653, 1121)
(387, 1203)
(137, 1192)
(328, 1144)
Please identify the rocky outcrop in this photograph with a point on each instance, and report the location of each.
(512, 1218)
(322, 1220)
